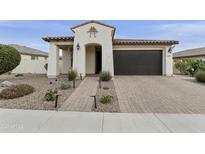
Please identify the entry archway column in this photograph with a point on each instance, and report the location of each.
(79, 59)
(53, 61)
(107, 57)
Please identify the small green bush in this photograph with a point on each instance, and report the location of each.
(200, 76)
(192, 67)
(65, 85)
(182, 65)
(16, 91)
(51, 95)
(106, 99)
(189, 66)
(201, 65)
(72, 75)
(105, 76)
(9, 58)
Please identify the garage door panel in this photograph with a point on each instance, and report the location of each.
(143, 62)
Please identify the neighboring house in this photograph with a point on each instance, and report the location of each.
(93, 49)
(30, 53)
(32, 60)
(197, 53)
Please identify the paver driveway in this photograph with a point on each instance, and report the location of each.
(158, 94)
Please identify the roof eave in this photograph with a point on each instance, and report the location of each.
(91, 21)
(145, 43)
(50, 39)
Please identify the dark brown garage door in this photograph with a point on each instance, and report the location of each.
(143, 62)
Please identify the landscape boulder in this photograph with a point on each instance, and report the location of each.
(6, 84)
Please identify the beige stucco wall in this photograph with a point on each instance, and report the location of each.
(90, 60)
(53, 61)
(28, 57)
(103, 38)
(31, 66)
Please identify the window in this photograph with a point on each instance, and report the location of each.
(34, 57)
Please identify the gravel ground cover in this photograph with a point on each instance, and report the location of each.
(35, 101)
(107, 88)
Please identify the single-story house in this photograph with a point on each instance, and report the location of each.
(30, 53)
(94, 48)
(32, 60)
(197, 53)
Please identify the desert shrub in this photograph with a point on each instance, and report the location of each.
(16, 91)
(105, 76)
(200, 76)
(182, 65)
(65, 85)
(195, 66)
(189, 66)
(72, 75)
(9, 58)
(192, 67)
(201, 65)
(51, 95)
(106, 99)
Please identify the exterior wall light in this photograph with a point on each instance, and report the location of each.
(171, 48)
(78, 46)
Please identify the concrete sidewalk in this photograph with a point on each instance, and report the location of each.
(94, 122)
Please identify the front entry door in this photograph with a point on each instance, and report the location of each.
(98, 60)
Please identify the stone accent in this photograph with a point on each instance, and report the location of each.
(6, 84)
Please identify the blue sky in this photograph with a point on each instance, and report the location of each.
(191, 34)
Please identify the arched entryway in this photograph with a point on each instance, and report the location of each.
(93, 59)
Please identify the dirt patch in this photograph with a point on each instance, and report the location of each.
(107, 88)
(35, 101)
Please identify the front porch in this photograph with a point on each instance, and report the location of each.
(61, 60)
(57, 52)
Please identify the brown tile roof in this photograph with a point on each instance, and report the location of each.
(143, 42)
(92, 21)
(58, 38)
(119, 41)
